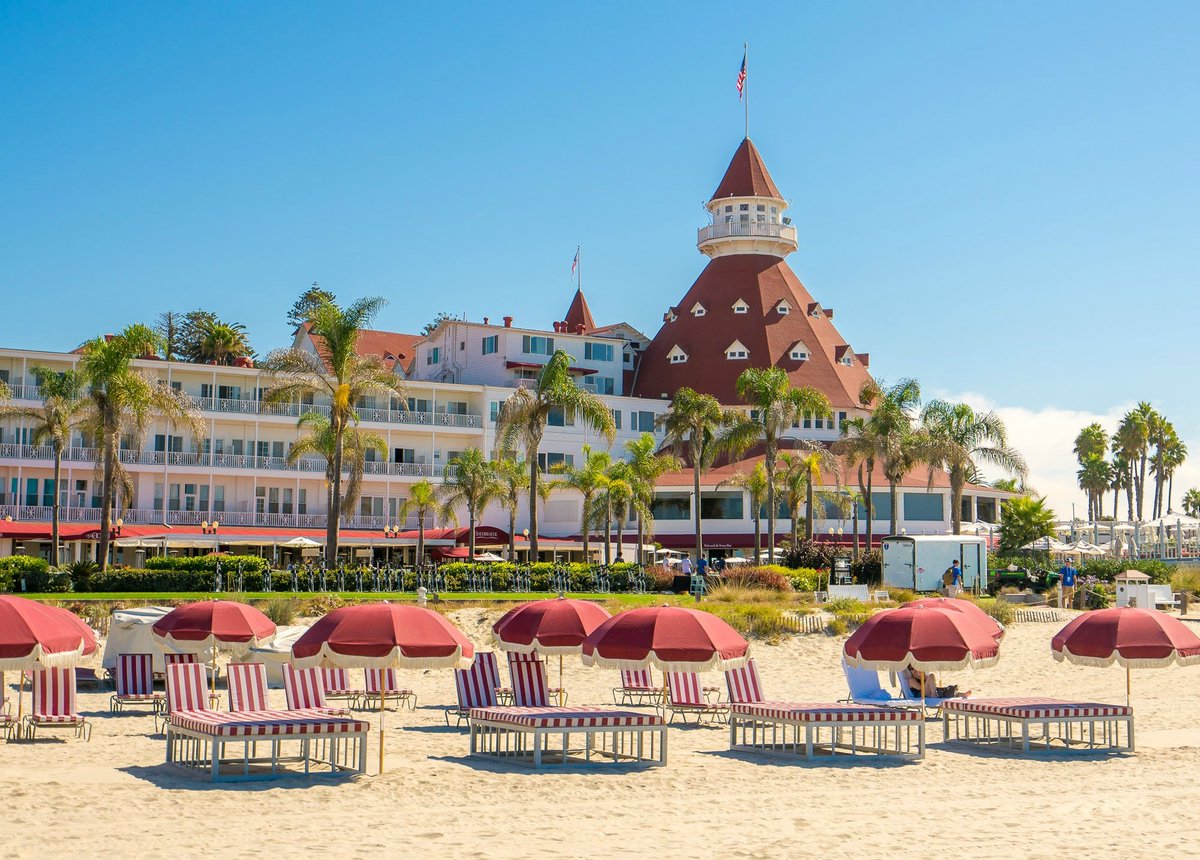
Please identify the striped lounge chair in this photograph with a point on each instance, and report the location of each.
(743, 684)
(637, 688)
(170, 658)
(487, 659)
(475, 688)
(528, 691)
(305, 690)
(247, 687)
(382, 682)
(685, 695)
(135, 683)
(54, 704)
(7, 723)
(187, 690)
(337, 687)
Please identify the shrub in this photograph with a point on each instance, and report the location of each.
(1186, 579)
(838, 626)
(756, 620)
(33, 570)
(282, 611)
(869, 567)
(769, 577)
(901, 595)
(208, 563)
(730, 593)
(1001, 610)
(80, 572)
(809, 553)
(806, 579)
(661, 577)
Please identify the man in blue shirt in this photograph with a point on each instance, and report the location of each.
(956, 578)
(1066, 582)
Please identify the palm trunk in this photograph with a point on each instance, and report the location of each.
(1141, 488)
(533, 491)
(620, 536)
(471, 533)
(1116, 500)
(334, 520)
(512, 534)
(420, 537)
(870, 505)
(808, 504)
(696, 512)
(795, 513)
(1170, 489)
(106, 491)
(54, 511)
(1129, 491)
(640, 539)
(585, 526)
(894, 493)
(956, 490)
(607, 532)
(757, 538)
(770, 466)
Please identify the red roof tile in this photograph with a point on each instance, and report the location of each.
(747, 176)
(393, 347)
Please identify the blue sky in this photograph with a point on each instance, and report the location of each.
(996, 198)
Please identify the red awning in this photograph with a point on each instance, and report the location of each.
(530, 365)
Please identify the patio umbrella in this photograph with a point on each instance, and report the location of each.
(1135, 638)
(383, 636)
(966, 607)
(554, 626)
(208, 624)
(36, 636)
(673, 638)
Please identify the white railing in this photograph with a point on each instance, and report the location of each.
(724, 229)
(227, 519)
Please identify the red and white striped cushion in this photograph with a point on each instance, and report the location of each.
(1035, 708)
(819, 712)
(303, 688)
(135, 676)
(743, 683)
(474, 686)
(172, 659)
(374, 677)
(565, 718)
(684, 688)
(638, 679)
(54, 696)
(528, 675)
(247, 686)
(337, 682)
(490, 666)
(187, 687)
(265, 723)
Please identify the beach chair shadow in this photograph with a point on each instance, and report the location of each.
(167, 776)
(868, 762)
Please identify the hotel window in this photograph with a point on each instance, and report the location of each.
(807, 420)
(525, 373)
(743, 207)
(302, 501)
(434, 356)
(456, 407)
(537, 345)
(728, 208)
(799, 353)
(287, 500)
(490, 344)
(494, 410)
(273, 500)
(721, 506)
(698, 310)
(616, 414)
(262, 449)
(418, 405)
(671, 506)
(559, 418)
(783, 308)
(677, 355)
(841, 419)
(847, 360)
(548, 461)
(740, 307)
(641, 421)
(736, 352)
(229, 392)
(598, 351)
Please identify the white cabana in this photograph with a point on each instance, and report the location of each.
(277, 653)
(129, 632)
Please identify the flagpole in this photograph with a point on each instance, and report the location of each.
(579, 267)
(746, 85)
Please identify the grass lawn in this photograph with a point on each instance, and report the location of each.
(398, 596)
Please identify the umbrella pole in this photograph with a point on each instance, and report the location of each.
(382, 696)
(20, 693)
(1127, 685)
(560, 683)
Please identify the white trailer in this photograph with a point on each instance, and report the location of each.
(918, 561)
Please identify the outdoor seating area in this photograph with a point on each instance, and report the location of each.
(542, 735)
(1025, 724)
(812, 729)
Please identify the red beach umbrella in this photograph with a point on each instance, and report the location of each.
(674, 638)
(555, 626)
(1135, 638)
(929, 640)
(966, 607)
(36, 636)
(208, 623)
(383, 636)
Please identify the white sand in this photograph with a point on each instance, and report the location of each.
(66, 798)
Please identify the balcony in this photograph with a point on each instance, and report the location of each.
(12, 451)
(727, 229)
(229, 520)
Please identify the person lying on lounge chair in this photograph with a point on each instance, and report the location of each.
(917, 684)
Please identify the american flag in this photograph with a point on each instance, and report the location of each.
(575, 262)
(742, 78)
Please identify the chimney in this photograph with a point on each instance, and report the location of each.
(508, 322)
(485, 320)
(557, 328)
(579, 328)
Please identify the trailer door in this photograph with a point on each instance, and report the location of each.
(969, 553)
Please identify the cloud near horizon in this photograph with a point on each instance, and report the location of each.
(1046, 437)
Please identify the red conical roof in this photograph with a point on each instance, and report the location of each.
(761, 282)
(579, 314)
(747, 176)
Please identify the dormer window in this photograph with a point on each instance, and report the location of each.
(799, 352)
(740, 307)
(816, 312)
(783, 308)
(677, 355)
(698, 310)
(736, 351)
(847, 360)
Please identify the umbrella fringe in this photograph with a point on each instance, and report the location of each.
(394, 659)
(968, 662)
(39, 659)
(195, 646)
(536, 647)
(1173, 659)
(716, 662)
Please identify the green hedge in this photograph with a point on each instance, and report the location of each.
(208, 563)
(36, 573)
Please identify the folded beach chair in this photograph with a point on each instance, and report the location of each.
(529, 687)
(54, 704)
(382, 682)
(187, 690)
(247, 687)
(135, 683)
(337, 687)
(7, 723)
(637, 688)
(865, 689)
(171, 658)
(487, 659)
(743, 684)
(475, 688)
(685, 695)
(305, 690)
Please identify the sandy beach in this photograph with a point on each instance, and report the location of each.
(67, 798)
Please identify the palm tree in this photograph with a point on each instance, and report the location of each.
(1146, 421)
(754, 483)
(220, 342)
(1191, 502)
(470, 483)
(1169, 454)
(62, 406)
(890, 426)
(1092, 441)
(958, 439)
(523, 417)
(646, 466)
(123, 400)
(620, 498)
(1008, 485)
(513, 475)
(338, 372)
(588, 479)
(1095, 476)
(860, 447)
(1024, 520)
(320, 440)
(774, 407)
(1121, 480)
(803, 469)
(1173, 457)
(422, 501)
(1128, 445)
(698, 428)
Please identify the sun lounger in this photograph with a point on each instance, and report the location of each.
(529, 697)
(538, 735)
(685, 696)
(1022, 723)
(304, 690)
(187, 690)
(809, 729)
(7, 723)
(213, 672)
(135, 683)
(475, 689)
(504, 695)
(865, 689)
(383, 682)
(743, 684)
(54, 704)
(247, 687)
(337, 687)
(637, 688)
